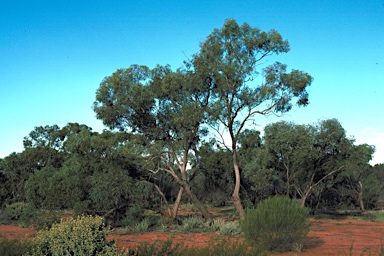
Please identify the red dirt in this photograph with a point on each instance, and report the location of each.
(326, 237)
(16, 232)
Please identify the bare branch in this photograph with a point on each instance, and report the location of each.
(329, 174)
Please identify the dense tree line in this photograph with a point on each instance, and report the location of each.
(166, 141)
(107, 173)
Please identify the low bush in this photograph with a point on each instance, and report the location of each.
(226, 247)
(226, 228)
(143, 225)
(157, 248)
(20, 212)
(220, 248)
(278, 224)
(132, 216)
(80, 236)
(379, 215)
(193, 223)
(14, 247)
(15, 210)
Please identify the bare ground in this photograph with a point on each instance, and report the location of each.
(345, 236)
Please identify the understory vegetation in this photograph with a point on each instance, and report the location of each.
(277, 224)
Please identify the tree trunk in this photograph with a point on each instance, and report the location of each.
(288, 188)
(235, 196)
(360, 197)
(177, 203)
(287, 176)
(305, 196)
(196, 201)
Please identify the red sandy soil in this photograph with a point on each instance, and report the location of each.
(16, 232)
(345, 236)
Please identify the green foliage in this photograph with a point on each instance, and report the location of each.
(224, 247)
(143, 225)
(110, 189)
(277, 224)
(317, 163)
(21, 212)
(193, 223)
(264, 180)
(226, 228)
(157, 248)
(227, 64)
(132, 216)
(214, 182)
(81, 236)
(54, 188)
(15, 247)
(15, 211)
(198, 224)
(379, 215)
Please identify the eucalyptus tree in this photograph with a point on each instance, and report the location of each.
(227, 62)
(299, 160)
(359, 177)
(52, 185)
(41, 150)
(288, 145)
(166, 108)
(326, 159)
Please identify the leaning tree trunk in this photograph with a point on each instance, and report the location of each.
(304, 198)
(235, 196)
(187, 188)
(177, 203)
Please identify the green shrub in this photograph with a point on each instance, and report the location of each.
(14, 211)
(225, 248)
(143, 225)
(194, 222)
(157, 248)
(188, 207)
(379, 215)
(132, 216)
(220, 248)
(80, 236)
(226, 227)
(14, 247)
(21, 212)
(277, 224)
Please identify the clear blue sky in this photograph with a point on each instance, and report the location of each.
(54, 54)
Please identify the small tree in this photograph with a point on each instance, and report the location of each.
(166, 109)
(358, 176)
(288, 145)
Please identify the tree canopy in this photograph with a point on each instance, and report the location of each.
(228, 61)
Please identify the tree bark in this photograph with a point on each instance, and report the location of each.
(177, 203)
(304, 198)
(360, 197)
(235, 196)
(206, 214)
(288, 179)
